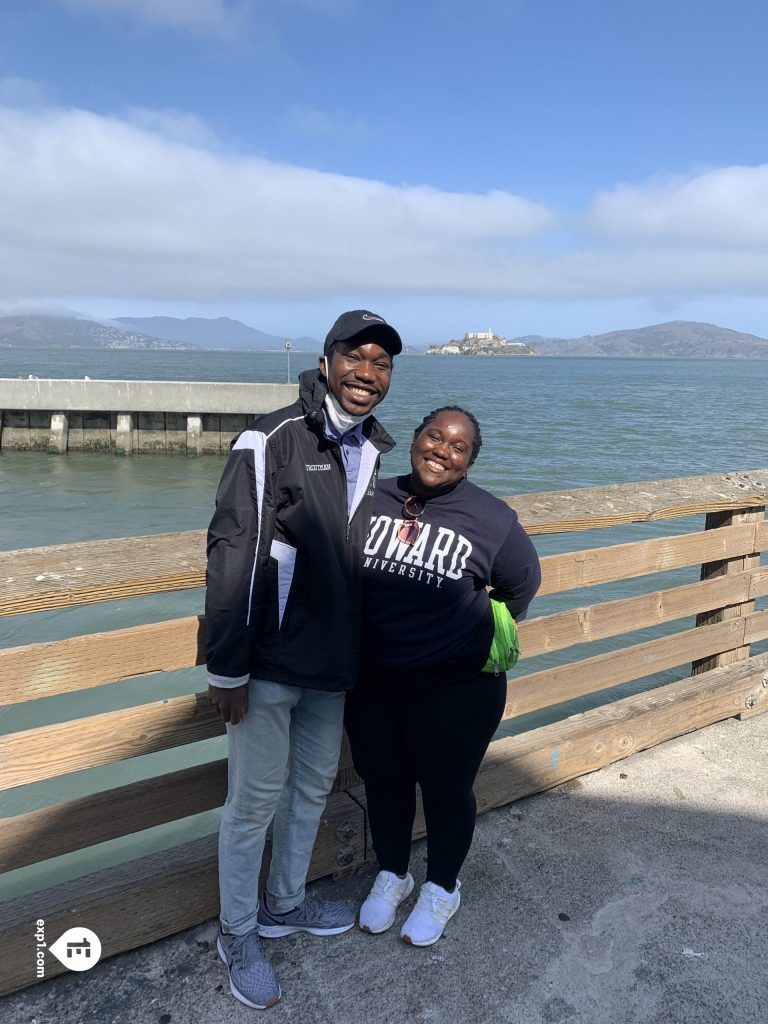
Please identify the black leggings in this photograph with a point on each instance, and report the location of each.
(436, 739)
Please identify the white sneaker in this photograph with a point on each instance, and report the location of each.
(434, 909)
(378, 910)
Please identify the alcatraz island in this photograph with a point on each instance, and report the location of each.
(482, 343)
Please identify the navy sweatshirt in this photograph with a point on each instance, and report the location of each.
(427, 617)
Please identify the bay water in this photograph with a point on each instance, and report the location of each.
(547, 423)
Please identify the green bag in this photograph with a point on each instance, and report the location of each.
(505, 649)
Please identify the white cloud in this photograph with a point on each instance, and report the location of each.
(153, 207)
(173, 125)
(725, 206)
(98, 206)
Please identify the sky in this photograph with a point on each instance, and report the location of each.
(553, 167)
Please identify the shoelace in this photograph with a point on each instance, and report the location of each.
(316, 910)
(239, 950)
(384, 886)
(312, 909)
(438, 906)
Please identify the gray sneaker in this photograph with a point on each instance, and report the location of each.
(317, 917)
(252, 978)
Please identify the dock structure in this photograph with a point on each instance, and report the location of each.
(159, 894)
(131, 417)
(636, 894)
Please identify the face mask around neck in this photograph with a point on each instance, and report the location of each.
(342, 421)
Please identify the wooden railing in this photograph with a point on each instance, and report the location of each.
(165, 892)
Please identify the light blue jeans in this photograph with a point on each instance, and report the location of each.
(283, 758)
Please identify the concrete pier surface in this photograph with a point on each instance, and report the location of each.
(635, 895)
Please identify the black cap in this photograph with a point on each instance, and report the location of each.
(358, 320)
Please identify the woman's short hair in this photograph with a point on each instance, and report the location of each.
(478, 440)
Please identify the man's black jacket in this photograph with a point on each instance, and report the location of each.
(284, 559)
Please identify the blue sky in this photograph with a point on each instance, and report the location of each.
(539, 166)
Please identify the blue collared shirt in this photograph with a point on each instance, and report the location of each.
(351, 446)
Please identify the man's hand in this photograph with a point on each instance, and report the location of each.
(231, 703)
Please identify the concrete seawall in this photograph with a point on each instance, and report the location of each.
(129, 417)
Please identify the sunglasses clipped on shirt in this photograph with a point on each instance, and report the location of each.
(410, 528)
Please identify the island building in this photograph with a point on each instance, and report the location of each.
(481, 343)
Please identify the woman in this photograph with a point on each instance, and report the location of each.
(424, 710)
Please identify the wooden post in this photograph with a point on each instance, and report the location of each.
(727, 567)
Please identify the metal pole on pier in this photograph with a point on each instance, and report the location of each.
(288, 346)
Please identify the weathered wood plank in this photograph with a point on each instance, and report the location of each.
(745, 715)
(65, 575)
(75, 824)
(593, 508)
(545, 757)
(64, 666)
(594, 566)
(566, 682)
(146, 899)
(759, 585)
(612, 618)
(158, 895)
(53, 750)
(81, 662)
(728, 567)
(756, 627)
(755, 705)
(49, 751)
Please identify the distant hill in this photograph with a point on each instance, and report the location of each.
(219, 333)
(41, 331)
(682, 339)
(678, 339)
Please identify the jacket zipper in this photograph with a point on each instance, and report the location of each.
(345, 497)
(340, 460)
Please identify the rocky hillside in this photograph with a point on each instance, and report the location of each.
(38, 331)
(678, 339)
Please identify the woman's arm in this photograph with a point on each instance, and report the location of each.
(516, 573)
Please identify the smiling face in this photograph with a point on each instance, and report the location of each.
(441, 453)
(358, 374)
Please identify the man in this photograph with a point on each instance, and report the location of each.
(283, 610)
